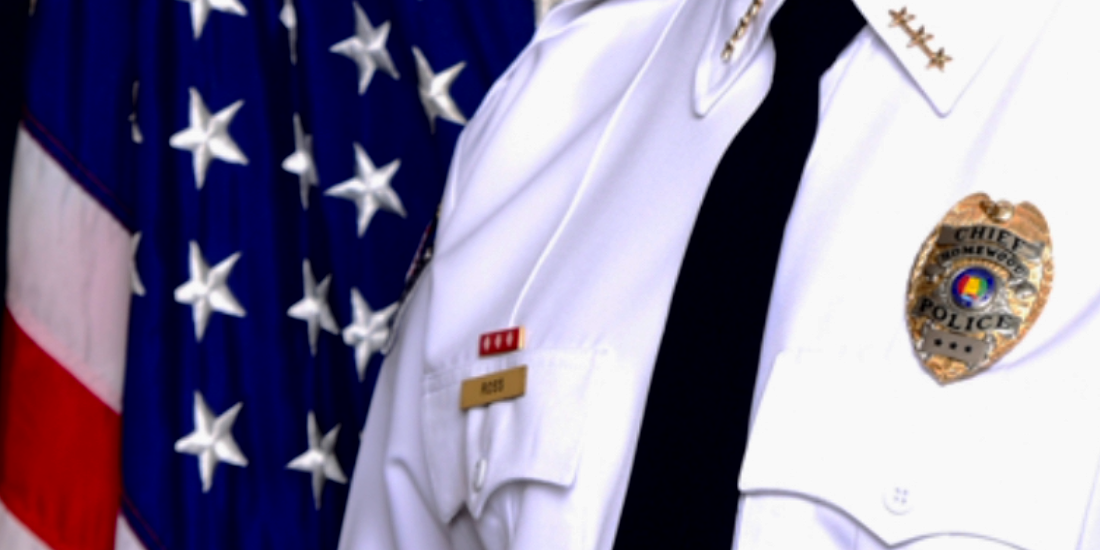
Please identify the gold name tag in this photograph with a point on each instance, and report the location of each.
(483, 390)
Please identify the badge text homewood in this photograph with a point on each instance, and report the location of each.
(1012, 263)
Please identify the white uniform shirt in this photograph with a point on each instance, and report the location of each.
(568, 208)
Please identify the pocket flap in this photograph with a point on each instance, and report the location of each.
(536, 437)
(1009, 458)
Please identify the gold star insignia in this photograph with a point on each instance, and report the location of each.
(920, 38)
(901, 17)
(938, 59)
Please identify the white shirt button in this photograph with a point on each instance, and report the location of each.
(898, 499)
(479, 473)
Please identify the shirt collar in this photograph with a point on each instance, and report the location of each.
(713, 75)
(967, 32)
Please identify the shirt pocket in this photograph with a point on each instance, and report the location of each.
(1002, 457)
(534, 438)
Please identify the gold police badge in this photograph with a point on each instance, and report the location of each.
(980, 281)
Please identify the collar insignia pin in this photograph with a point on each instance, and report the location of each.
(979, 283)
(919, 38)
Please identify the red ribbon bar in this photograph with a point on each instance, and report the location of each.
(501, 341)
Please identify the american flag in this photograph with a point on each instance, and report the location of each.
(214, 203)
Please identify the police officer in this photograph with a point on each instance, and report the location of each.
(568, 213)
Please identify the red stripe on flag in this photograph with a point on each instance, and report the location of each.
(59, 449)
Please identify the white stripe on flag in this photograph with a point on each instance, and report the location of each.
(125, 539)
(69, 290)
(68, 272)
(14, 535)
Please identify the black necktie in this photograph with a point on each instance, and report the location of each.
(683, 486)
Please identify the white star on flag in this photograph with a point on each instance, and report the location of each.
(367, 48)
(320, 459)
(200, 10)
(135, 129)
(289, 18)
(207, 290)
(313, 307)
(212, 441)
(368, 330)
(300, 162)
(369, 189)
(208, 137)
(435, 90)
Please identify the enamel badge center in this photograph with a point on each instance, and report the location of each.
(980, 281)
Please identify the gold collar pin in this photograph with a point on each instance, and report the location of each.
(919, 37)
